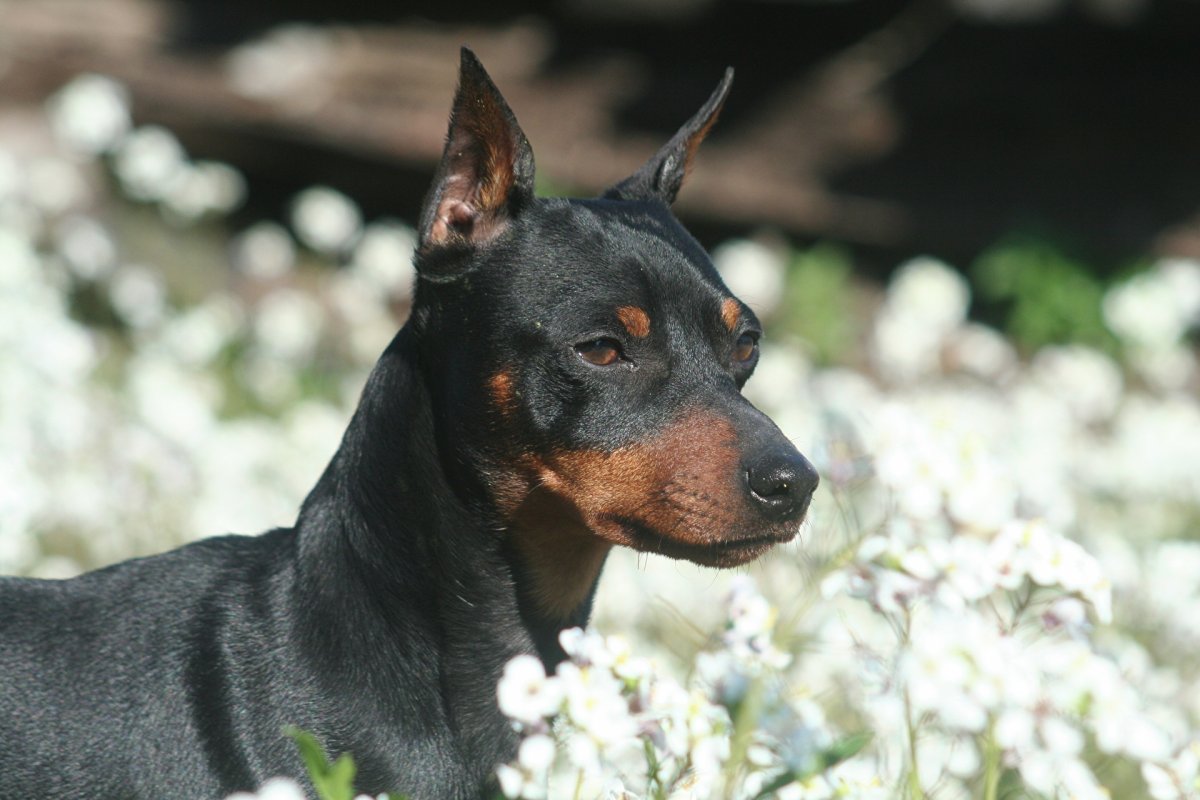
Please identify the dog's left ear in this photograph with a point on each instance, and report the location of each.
(486, 173)
(661, 176)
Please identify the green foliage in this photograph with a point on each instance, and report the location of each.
(839, 751)
(332, 780)
(1047, 297)
(818, 302)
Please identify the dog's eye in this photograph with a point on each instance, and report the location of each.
(603, 352)
(745, 348)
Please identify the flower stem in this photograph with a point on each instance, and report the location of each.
(579, 785)
(914, 773)
(991, 769)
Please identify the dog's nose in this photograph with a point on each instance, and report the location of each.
(782, 483)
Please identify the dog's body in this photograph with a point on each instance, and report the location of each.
(568, 380)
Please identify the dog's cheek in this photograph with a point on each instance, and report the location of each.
(681, 485)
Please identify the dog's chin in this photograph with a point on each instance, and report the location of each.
(731, 550)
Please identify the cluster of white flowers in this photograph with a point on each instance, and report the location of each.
(1152, 313)
(610, 710)
(188, 442)
(612, 724)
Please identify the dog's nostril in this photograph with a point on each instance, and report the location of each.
(782, 482)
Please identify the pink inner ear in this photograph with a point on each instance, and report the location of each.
(454, 218)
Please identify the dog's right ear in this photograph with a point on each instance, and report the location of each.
(486, 173)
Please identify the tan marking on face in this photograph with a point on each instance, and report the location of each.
(731, 313)
(562, 556)
(500, 387)
(635, 320)
(679, 493)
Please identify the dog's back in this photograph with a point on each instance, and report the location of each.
(127, 672)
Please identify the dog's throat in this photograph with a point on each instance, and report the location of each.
(560, 557)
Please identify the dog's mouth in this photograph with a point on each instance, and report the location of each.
(725, 552)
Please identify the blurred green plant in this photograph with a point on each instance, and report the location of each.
(818, 304)
(333, 780)
(1041, 295)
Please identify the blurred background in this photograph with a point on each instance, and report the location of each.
(934, 126)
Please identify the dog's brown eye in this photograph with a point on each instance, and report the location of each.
(602, 352)
(745, 348)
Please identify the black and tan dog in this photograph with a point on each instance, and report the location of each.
(569, 380)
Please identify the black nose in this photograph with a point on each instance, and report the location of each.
(782, 483)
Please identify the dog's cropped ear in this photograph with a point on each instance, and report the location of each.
(661, 176)
(486, 172)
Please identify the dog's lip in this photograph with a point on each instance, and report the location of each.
(655, 541)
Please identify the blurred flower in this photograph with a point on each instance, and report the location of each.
(90, 114)
(982, 351)
(205, 187)
(1154, 309)
(87, 247)
(753, 272)
(264, 251)
(289, 63)
(138, 295)
(326, 220)
(54, 185)
(149, 162)
(383, 258)
(926, 301)
(196, 336)
(1087, 380)
(1176, 779)
(287, 325)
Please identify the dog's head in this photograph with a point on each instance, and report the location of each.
(589, 358)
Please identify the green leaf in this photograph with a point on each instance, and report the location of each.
(844, 748)
(333, 781)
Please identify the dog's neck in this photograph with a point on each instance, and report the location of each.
(385, 511)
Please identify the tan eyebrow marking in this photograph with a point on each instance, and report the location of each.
(501, 388)
(731, 313)
(635, 320)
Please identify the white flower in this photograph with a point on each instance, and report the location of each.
(197, 336)
(149, 162)
(206, 187)
(287, 324)
(1177, 778)
(383, 258)
(1087, 380)
(326, 220)
(982, 351)
(753, 272)
(594, 703)
(264, 251)
(516, 782)
(525, 693)
(290, 61)
(54, 185)
(926, 300)
(274, 789)
(90, 114)
(536, 753)
(138, 295)
(1145, 311)
(87, 247)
